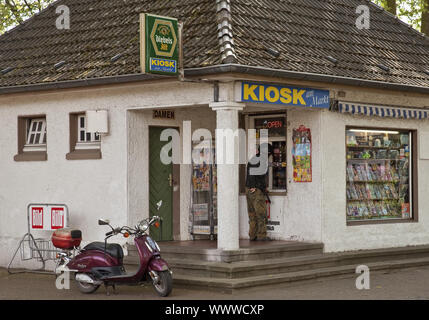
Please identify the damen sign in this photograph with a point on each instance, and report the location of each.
(159, 44)
(288, 96)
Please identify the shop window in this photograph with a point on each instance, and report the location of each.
(380, 174)
(83, 145)
(32, 138)
(276, 126)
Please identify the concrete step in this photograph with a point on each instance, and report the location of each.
(244, 269)
(230, 285)
(269, 251)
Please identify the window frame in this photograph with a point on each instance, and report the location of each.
(248, 122)
(413, 183)
(30, 152)
(88, 143)
(40, 145)
(90, 150)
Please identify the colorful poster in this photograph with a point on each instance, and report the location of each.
(301, 154)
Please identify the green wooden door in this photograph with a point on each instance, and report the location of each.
(160, 189)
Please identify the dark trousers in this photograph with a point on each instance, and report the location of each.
(257, 209)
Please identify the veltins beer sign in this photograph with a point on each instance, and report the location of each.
(159, 44)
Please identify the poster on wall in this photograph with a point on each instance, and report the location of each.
(301, 154)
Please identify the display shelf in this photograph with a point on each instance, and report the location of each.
(372, 147)
(372, 181)
(203, 215)
(378, 177)
(377, 199)
(371, 218)
(374, 160)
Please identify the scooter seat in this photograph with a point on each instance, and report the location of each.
(112, 249)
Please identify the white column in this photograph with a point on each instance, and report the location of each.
(227, 176)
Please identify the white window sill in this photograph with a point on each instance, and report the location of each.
(88, 146)
(35, 148)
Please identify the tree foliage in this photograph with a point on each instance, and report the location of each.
(414, 12)
(14, 12)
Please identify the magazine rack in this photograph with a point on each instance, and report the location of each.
(203, 216)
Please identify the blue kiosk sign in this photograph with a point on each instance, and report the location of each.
(283, 95)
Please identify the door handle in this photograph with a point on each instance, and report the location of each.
(170, 179)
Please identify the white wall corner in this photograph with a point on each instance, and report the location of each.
(424, 145)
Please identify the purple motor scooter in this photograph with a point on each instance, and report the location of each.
(102, 263)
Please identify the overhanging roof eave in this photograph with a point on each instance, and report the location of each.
(216, 70)
(267, 72)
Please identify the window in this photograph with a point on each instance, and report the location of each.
(32, 138)
(36, 135)
(276, 126)
(86, 140)
(83, 145)
(379, 174)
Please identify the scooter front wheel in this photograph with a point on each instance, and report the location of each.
(86, 287)
(165, 283)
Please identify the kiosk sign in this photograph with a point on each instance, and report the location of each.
(284, 95)
(159, 44)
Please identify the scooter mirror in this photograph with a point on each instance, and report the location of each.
(103, 222)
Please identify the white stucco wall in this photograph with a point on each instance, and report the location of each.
(138, 170)
(337, 236)
(116, 187)
(90, 188)
(299, 212)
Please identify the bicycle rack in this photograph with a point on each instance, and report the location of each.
(38, 249)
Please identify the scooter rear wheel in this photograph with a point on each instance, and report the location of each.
(165, 283)
(87, 288)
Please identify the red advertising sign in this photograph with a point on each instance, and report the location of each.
(37, 217)
(47, 216)
(57, 218)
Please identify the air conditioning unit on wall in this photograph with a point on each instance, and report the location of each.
(97, 121)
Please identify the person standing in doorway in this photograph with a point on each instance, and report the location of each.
(257, 193)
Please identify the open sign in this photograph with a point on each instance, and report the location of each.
(47, 216)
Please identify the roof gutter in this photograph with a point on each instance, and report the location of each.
(267, 72)
(81, 83)
(216, 70)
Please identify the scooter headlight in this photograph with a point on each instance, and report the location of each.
(143, 226)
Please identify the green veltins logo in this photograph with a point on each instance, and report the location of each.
(159, 44)
(164, 38)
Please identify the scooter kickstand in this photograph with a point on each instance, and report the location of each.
(107, 289)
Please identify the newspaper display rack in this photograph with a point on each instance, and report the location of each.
(203, 216)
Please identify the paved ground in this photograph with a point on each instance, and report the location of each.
(403, 284)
